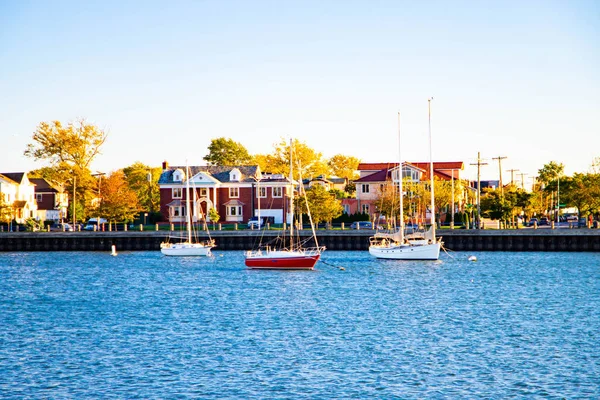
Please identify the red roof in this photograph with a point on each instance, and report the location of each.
(441, 169)
(422, 165)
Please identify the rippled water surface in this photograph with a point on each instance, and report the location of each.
(142, 325)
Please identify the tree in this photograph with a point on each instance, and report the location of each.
(70, 151)
(143, 180)
(582, 191)
(323, 205)
(344, 166)
(222, 151)
(550, 172)
(119, 202)
(6, 211)
(214, 216)
(307, 163)
(77, 144)
(388, 203)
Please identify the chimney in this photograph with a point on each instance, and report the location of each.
(165, 165)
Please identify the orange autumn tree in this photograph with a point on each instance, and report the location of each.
(118, 203)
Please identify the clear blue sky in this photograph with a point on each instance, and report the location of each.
(517, 79)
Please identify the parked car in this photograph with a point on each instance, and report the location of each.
(544, 221)
(533, 221)
(61, 227)
(361, 225)
(254, 223)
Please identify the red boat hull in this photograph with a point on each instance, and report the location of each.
(284, 263)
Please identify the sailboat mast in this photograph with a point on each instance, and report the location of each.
(187, 203)
(431, 172)
(400, 179)
(291, 199)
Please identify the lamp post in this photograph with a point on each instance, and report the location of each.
(99, 175)
(74, 191)
(558, 198)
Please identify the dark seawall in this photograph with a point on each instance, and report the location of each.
(585, 240)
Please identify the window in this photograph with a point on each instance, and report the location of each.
(203, 192)
(234, 192)
(347, 208)
(178, 211)
(262, 191)
(177, 193)
(277, 192)
(365, 188)
(365, 209)
(38, 198)
(234, 210)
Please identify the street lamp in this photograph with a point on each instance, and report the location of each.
(99, 175)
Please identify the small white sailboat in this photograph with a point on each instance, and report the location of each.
(294, 257)
(187, 246)
(397, 245)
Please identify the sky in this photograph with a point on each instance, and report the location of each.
(514, 79)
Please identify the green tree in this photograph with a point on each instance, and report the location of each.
(119, 202)
(222, 151)
(344, 166)
(550, 172)
(582, 191)
(143, 180)
(323, 205)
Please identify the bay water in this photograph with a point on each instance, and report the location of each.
(143, 325)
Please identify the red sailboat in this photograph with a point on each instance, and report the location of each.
(291, 257)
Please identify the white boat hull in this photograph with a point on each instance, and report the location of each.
(185, 249)
(406, 251)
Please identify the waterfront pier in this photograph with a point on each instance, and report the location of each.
(578, 240)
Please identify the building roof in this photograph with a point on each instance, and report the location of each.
(422, 165)
(441, 169)
(384, 174)
(16, 177)
(219, 172)
(42, 185)
(379, 176)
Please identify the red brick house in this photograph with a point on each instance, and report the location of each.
(236, 192)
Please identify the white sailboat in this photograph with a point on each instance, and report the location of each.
(294, 257)
(187, 246)
(397, 245)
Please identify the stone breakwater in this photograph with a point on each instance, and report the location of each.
(578, 240)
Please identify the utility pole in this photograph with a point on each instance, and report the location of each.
(533, 182)
(523, 180)
(479, 164)
(500, 158)
(512, 174)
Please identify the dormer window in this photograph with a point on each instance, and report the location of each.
(235, 175)
(178, 175)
